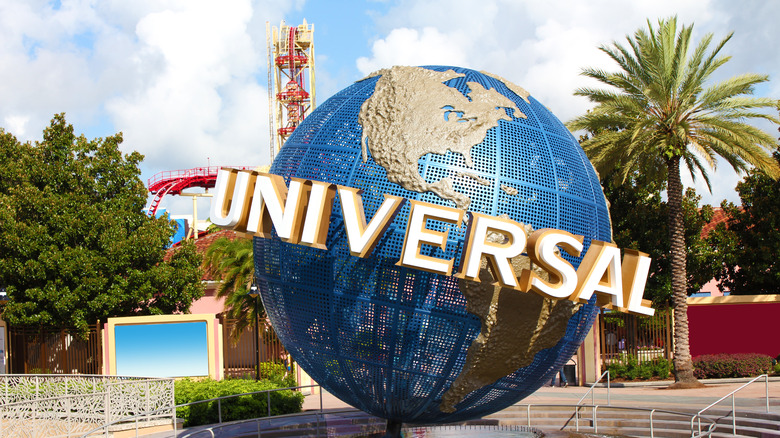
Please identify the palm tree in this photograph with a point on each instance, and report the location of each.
(660, 113)
(232, 262)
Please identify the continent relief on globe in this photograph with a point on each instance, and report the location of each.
(515, 326)
(412, 113)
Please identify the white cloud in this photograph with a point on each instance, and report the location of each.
(16, 124)
(543, 46)
(409, 47)
(199, 104)
(183, 79)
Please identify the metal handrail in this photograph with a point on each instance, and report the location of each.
(219, 409)
(590, 390)
(210, 430)
(652, 412)
(186, 173)
(592, 399)
(733, 404)
(317, 414)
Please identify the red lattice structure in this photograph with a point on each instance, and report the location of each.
(172, 182)
(290, 79)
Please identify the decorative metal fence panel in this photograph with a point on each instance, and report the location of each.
(70, 405)
(646, 338)
(53, 351)
(240, 356)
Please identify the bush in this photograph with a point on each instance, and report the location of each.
(278, 373)
(236, 408)
(630, 368)
(719, 366)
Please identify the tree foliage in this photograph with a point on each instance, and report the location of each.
(660, 113)
(751, 241)
(639, 221)
(231, 261)
(75, 244)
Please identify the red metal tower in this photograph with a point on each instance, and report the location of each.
(290, 67)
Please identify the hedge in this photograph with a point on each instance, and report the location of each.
(236, 408)
(718, 366)
(630, 368)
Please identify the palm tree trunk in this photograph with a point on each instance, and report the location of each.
(683, 364)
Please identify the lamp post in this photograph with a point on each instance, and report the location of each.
(255, 294)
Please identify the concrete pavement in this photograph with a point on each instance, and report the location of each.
(639, 394)
(643, 394)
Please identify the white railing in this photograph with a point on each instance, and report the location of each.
(592, 393)
(595, 408)
(136, 417)
(57, 405)
(710, 426)
(733, 403)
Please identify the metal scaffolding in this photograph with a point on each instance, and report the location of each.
(290, 79)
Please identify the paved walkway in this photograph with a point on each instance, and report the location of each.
(647, 395)
(650, 394)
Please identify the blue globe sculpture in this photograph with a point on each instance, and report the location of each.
(404, 344)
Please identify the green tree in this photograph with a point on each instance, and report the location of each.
(231, 261)
(639, 216)
(660, 113)
(75, 245)
(751, 242)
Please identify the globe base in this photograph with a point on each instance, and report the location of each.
(393, 429)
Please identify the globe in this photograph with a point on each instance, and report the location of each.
(404, 344)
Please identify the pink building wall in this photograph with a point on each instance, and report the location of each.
(209, 303)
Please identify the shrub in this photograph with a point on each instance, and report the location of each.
(661, 367)
(718, 366)
(630, 368)
(278, 373)
(236, 408)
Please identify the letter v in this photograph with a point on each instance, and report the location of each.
(362, 239)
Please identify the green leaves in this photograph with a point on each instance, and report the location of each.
(639, 221)
(232, 262)
(661, 110)
(661, 97)
(75, 245)
(751, 240)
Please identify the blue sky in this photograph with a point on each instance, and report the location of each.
(162, 350)
(185, 80)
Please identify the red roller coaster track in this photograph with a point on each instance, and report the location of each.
(172, 182)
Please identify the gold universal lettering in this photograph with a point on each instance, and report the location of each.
(363, 238)
(636, 266)
(254, 202)
(562, 275)
(417, 234)
(315, 225)
(600, 273)
(274, 204)
(230, 205)
(498, 255)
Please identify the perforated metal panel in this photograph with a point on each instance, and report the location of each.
(391, 340)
